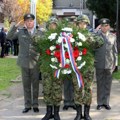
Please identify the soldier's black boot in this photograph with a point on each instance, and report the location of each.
(49, 114)
(86, 112)
(56, 113)
(79, 112)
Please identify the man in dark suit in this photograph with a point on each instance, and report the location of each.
(105, 62)
(2, 41)
(27, 60)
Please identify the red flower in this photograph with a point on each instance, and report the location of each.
(67, 66)
(57, 54)
(57, 46)
(67, 55)
(76, 53)
(59, 60)
(84, 51)
(48, 51)
(75, 48)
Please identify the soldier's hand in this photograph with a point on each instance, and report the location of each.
(19, 23)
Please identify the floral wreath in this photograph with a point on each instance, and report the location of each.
(67, 53)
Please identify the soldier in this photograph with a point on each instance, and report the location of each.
(105, 62)
(27, 60)
(52, 87)
(83, 96)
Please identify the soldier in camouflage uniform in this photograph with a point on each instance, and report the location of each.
(52, 87)
(83, 96)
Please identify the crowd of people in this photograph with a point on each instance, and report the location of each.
(8, 47)
(104, 51)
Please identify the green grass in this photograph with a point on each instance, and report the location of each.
(116, 75)
(8, 71)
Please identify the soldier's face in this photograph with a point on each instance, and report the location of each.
(82, 25)
(53, 26)
(105, 28)
(29, 23)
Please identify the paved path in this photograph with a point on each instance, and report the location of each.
(11, 105)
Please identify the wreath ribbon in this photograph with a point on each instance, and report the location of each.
(66, 38)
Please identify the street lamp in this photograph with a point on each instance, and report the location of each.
(33, 8)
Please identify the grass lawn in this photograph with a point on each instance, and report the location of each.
(116, 75)
(8, 71)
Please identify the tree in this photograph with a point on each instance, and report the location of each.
(44, 10)
(15, 9)
(106, 9)
(103, 9)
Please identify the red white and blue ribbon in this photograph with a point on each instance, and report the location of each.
(57, 73)
(66, 39)
(62, 53)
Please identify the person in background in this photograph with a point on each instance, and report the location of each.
(105, 62)
(16, 47)
(2, 40)
(28, 60)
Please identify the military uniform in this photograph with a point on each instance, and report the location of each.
(105, 61)
(51, 86)
(28, 61)
(83, 96)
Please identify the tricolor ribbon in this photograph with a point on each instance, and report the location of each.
(66, 39)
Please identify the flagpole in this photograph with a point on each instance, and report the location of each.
(33, 9)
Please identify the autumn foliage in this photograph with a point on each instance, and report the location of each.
(15, 9)
(44, 10)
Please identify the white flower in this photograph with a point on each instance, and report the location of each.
(67, 29)
(54, 67)
(81, 36)
(79, 43)
(60, 39)
(69, 71)
(54, 60)
(52, 36)
(82, 64)
(60, 65)
(72, 40)
(52, 53)
(80, 53)
(52, 48)
(66, 71)
(67, 61)
(65, 45)
(79, 58)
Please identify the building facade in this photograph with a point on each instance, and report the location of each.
(65, 8)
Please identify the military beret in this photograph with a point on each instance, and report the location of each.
(83, 18)
(29, 15)
(104, 21)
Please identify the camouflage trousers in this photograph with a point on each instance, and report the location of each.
(83, 95)
(52, 89)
